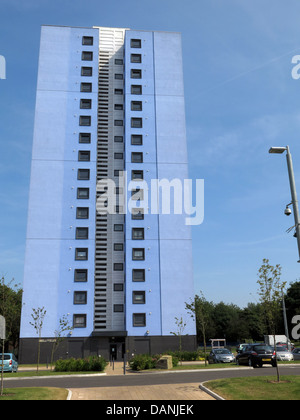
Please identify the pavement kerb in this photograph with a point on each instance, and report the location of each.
(209, 392)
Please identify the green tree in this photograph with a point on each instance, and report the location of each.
(10, 308)
(292, 301)
(199, 309)
(64, 326)
(38, 316)
(181, 324)
(270, 294)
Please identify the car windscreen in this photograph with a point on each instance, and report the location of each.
(263, 349)
(222, 351)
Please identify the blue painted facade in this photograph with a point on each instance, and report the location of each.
(51, 244)
(168, 249)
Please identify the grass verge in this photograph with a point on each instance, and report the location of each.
(257, 388)
(38, 394)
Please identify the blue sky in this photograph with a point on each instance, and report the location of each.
(240, 100)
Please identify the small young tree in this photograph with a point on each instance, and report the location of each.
(179, 333)
(38, 316)
(197, 310)
(63, 327)
(270, 293)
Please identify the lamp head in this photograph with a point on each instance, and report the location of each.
(277, 150)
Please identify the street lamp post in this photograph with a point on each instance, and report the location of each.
(293, 189)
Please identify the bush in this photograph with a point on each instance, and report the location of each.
(142, 362)
(145, 361)
(90, 364)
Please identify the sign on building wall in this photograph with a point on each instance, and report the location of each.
(2, 327)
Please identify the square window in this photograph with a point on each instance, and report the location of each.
(136, 105)
(79, 321)
(118, 267)
(84, 155)
(87, 40)
(137, 175)
(83, 193)
(137, 194)
(82, 233)
(138, 254)
(84, 138)
(87, 56)
(81, 254)
(118, 228)
(83, 174)
(136, 43)
(118, 308)
(137, 214)
(119, 62)
(137, 139)
(82, 213)
(118, 91)
(87, 71)
(119, 76)
(118, 155)
(138, 275)
(85, 120)
(137, 233)
(136, 89)
(118, 172)
(80, 298)
(119, 107)
(81, 276)
(86, 87)
(118, 287)
(138, 297)
(136, 74)
(118, 123)
(139, 320)
(118, 139)
(136, 157)
(85, 104)
(118, 247)
(136, 58)
(136, 122)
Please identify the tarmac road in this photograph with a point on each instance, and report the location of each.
(146, 379)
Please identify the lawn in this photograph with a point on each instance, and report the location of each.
(257, 388)
(45, 394)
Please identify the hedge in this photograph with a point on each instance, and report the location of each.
(90, 364)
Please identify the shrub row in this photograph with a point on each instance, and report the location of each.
(145, 361)
(90, 364)
(188, 356)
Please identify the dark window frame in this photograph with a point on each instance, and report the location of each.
(138, 302)
(83, 325)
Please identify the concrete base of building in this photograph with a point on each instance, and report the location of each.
(108, 346)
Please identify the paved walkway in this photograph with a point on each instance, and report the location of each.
(186, 392)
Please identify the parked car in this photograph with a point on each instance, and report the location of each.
(220, 356)
(240, 347)
(296, 353)
(10, 362)
(283, 354)
(256, 354)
